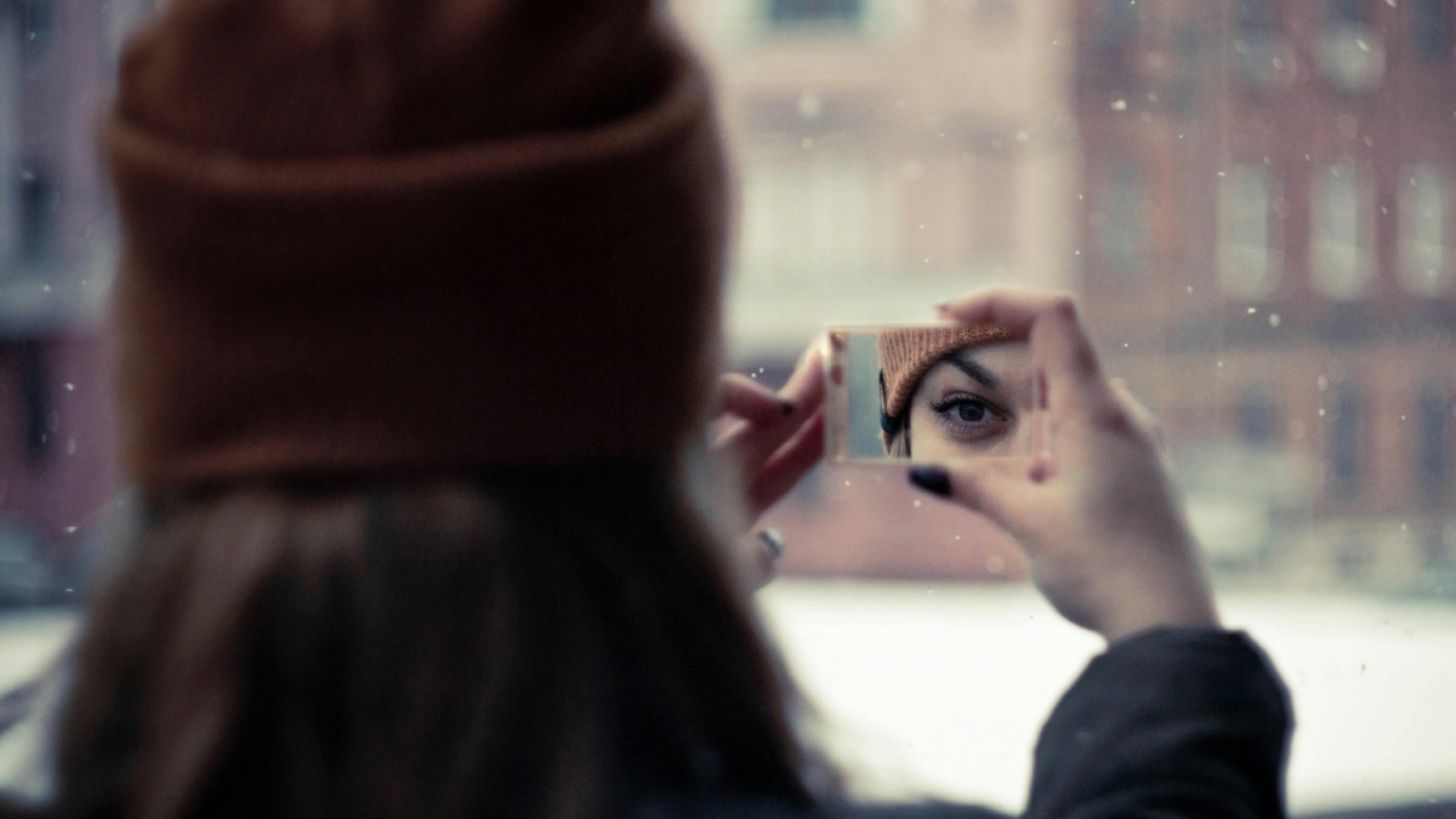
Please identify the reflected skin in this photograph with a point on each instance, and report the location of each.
(976, 401)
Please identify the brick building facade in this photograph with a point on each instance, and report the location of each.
(1267, 251)
(1259, 203)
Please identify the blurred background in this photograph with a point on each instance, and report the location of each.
(1253, 198)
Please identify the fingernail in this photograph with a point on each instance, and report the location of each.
(772, 541)
(786, 407)
(932, 479)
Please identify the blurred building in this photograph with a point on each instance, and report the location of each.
(891, 154)
(56, 246)
(1253, 196)
(1266, 248)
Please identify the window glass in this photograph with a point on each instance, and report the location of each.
(1423, 215)
(1351, 52)
(1344, 448)
(812, 212)
(1434, 408)
(1264, 56)
(1118, 219)
(1430, 29)
(1341, 260)
(1258, 416)
(1345, 11)
(11, 71)
(1248, 256)
(37, 213)
(799, 12)
(1112, 30)
(37, 18)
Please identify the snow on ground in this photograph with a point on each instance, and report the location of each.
(950, 684)
(28, 640)
(940, 689)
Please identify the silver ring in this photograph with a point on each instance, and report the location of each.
(773, 541)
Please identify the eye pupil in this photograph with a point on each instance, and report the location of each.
(971, 411)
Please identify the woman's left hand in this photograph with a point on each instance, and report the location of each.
(774, 439)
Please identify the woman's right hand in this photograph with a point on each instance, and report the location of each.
(1096, 512)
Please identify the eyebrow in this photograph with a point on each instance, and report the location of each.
(976, 372)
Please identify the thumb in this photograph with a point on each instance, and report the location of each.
(996, 487)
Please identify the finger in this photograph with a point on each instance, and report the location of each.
(805, 391)
(767, 547)
(787, 466)
(745, 398)
(1059, 344)
(805, 385)
(1138, 412)
(1002, 489)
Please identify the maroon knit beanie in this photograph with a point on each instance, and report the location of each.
(366, 236)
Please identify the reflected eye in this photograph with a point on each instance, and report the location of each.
(970, 417)
(973, 411)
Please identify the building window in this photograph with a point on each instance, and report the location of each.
(1421, 219)
(1430, 28)
(1248, 256)
(1117, 21)
(39, 420)
(36, 23)
(1114, 29)
(1433, 443)
(1265, 58)
(1341, 232)
(11, 47)
(1119, 220)
(1345, 11)
(815, 12)
(1255, 16)
(38, 203)
(1258, 416)
(1344, 447)
(811, 216)
(1351, 52)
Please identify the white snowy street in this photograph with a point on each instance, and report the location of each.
(944, 686)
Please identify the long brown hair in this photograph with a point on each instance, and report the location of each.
(553, 642)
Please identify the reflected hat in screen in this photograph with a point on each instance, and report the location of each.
(377, 235)
(907, 352)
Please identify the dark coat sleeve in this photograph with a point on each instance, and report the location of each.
(1168, 723)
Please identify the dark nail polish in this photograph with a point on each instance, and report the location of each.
(772, 541)
(932, 479)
